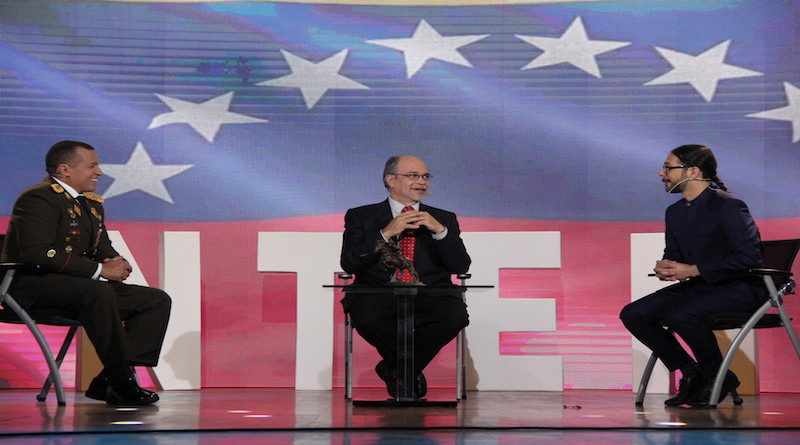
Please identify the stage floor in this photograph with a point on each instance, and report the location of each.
(270, 415)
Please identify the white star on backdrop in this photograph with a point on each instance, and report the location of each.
(314, 79)
(205, 117)
(141, 174)
(789, 113)
(425, 44)
(573, 47)
(703, 72)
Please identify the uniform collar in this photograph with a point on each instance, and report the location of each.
(69, 189)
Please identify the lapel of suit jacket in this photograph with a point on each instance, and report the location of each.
(384, 215)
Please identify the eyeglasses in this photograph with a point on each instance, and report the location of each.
(667, 168)
(415, 176)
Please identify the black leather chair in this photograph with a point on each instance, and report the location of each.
(778, 257)
(12, 312)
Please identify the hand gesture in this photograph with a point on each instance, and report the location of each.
(668, 270)
(116, 269)
(412, 220)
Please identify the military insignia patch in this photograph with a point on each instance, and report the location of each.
(71, 213)
(94, 197)
(68, 249)
(77, 209)
(52, 252)
(57, 188)
(94, 213)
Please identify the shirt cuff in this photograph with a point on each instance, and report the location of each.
(97, 272)
(440, 236)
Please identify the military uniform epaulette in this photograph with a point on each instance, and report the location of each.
(94, 197)
(57, 188)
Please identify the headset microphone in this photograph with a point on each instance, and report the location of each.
(685, 180)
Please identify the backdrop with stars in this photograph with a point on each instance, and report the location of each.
(235, 117)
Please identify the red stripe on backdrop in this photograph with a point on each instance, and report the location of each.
(249, 317)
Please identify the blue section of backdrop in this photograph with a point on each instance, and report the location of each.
(549, 142)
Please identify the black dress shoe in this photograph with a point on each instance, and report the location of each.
(420, 386)
(688, 389)
(98, 389)
(128, 393)
(701, 399)
(389, 376)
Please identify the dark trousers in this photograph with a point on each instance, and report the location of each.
(437, 321)
(125, 323)
(683, 307)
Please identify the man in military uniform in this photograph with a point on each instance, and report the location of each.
(57, 228)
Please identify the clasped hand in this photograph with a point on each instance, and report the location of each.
(669, 270)
(116, 269)
(411, 220)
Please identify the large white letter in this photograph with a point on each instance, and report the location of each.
(179, 366)
(315, 258)
(646, 249)
(489, 314)
(180, 278)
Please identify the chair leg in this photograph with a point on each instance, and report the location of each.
(648, 371)
(48, 354)
(737, 341)
(348, 357)
(461, 384)
(787, 324)
(463, 364)
(59, 359)
(461, 350)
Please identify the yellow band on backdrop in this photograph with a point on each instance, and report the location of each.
(380, 2)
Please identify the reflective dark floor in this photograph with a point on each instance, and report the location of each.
(270, 415)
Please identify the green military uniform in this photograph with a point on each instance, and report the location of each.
(66, 240)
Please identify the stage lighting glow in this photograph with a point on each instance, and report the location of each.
(127, 422)
(671, 423)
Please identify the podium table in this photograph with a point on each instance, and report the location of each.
(404, 294)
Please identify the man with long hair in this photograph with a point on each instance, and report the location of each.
(710, 239)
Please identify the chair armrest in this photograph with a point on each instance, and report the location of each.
(767, 271)
(19, 266)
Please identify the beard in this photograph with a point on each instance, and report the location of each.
(678, 187)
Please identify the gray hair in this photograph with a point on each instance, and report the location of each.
(390, 168)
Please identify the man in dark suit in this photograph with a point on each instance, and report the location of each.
(57, 228)
(438, 253)
(710, 239)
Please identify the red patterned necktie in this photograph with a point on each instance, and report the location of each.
(407, 241)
